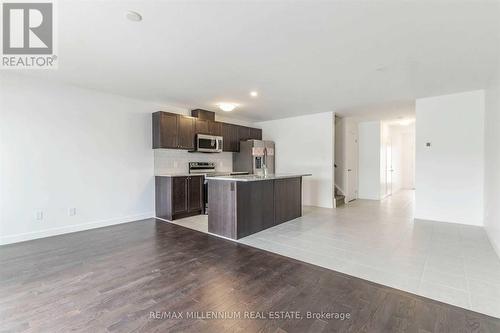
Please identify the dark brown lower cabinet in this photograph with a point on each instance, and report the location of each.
(195, 191)
(178, 196)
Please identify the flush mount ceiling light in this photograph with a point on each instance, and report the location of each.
(405, 122)
(227, 107)
(133, 16)
(254, 93)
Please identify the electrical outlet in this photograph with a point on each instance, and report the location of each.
(39, 215)
(71, 211)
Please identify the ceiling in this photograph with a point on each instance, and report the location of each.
(301, 56)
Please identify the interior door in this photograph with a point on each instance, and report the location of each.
(389, 169)
(352, 166)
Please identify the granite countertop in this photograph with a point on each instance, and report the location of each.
(253, 178)
(187, 174)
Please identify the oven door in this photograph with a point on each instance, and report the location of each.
(208, 143)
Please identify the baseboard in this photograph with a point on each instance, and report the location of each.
(424, 218)
(72, 228)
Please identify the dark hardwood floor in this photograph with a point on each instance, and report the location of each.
(111, 279)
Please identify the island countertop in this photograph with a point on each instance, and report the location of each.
(253, 178)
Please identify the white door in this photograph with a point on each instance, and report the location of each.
(352, 166)
(388, 170)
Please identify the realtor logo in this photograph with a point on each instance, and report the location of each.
(28, 35)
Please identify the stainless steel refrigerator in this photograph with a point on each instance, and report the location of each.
(254, 157)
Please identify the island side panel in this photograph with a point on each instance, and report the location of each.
(222, 208)
(288, 199)
(255, 203)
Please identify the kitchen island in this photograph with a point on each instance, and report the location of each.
(243, 205)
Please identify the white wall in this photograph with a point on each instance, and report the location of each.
(369, 160)
(492, 166)
(305, 144)
(64, 147)
(449, 174)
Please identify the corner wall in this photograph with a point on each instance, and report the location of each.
(449, 173)
(305, 145)
(492, 166)
(65, 147)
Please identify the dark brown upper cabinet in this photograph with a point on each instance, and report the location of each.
(230, 136)
(202, 126)
(243, 133)
(255, 133)
(215, 128)
(165, 130)
(203, 114)
(186, 130)
(175, 131)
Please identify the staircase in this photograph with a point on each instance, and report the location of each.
(339, 198)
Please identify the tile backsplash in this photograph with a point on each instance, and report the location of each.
(176, 161)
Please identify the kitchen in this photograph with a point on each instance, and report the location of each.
(229, 175)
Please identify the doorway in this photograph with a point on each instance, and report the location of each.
(346, 160)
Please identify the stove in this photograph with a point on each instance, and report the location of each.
(201, 168)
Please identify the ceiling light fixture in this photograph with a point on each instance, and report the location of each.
(405, 122)
(254, 94)
(227, 107)
(133, 16)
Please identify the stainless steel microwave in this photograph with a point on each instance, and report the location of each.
(208, 143)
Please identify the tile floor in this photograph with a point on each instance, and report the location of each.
(380, 241)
